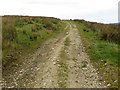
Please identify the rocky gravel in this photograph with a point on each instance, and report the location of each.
(41, 68)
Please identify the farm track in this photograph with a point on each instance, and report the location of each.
(43, 68)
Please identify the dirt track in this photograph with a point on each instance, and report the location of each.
(42, 68)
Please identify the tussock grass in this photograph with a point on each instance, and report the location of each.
(67, 42)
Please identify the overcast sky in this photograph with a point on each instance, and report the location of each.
(105, 11)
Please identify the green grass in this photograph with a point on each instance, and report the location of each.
(63, 66)
(63, 69)
(62, 74)
(27, 40)
(103, 54)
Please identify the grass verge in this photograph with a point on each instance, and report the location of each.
(103, 55)
(28, 36)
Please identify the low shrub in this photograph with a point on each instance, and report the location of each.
(109, 32)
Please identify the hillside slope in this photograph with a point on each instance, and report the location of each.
(54, 63)
(43, 52)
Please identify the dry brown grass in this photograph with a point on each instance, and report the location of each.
(109, 32)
